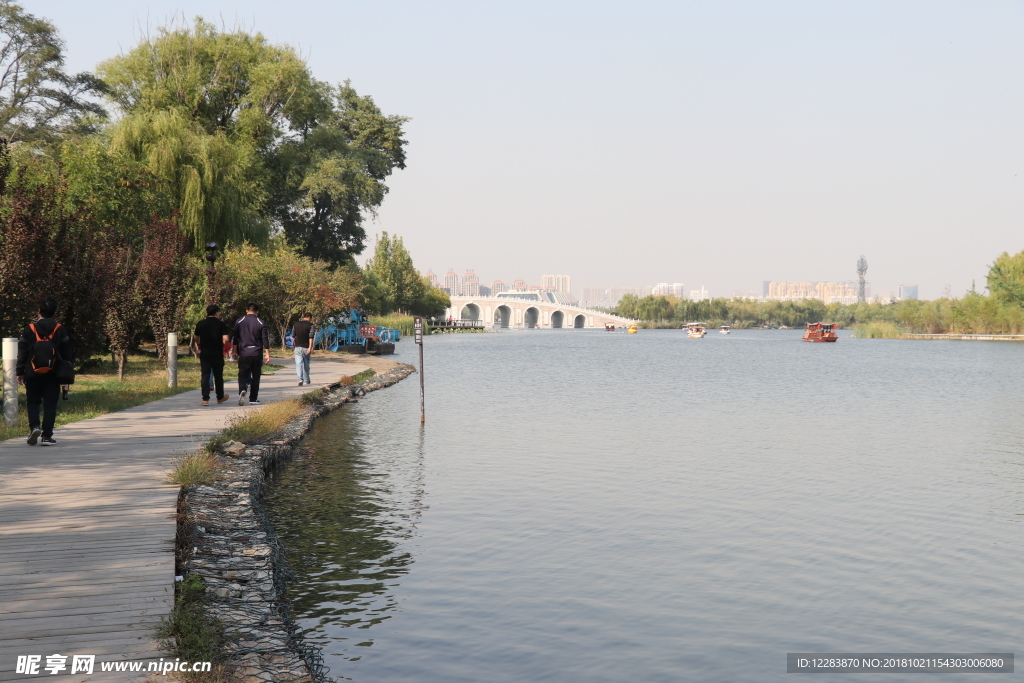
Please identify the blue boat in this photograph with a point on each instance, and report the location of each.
(352, 332)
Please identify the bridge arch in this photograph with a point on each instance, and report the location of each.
(557, 319)
(486, 310)
(503, 316)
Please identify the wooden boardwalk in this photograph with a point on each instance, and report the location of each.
(87, 527)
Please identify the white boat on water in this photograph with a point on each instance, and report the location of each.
(696, 330)
(724, 329)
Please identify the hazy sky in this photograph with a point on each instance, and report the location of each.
(716, 142)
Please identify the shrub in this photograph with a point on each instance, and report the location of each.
(268, 419)
(197, 467)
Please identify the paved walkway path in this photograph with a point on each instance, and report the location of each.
(87, 527)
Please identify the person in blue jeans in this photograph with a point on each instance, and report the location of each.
(302, 338)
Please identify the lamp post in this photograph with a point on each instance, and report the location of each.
(211, 272)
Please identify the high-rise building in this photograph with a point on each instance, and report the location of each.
(451, 283)
(497, 287)
(601, 297)
(556, 283)
(907, 292)
(519, 286)
(829, 292)
(593, 296)
(432, 277)
(615, 294)
(470, 284)
(699, 294)
(675, 289)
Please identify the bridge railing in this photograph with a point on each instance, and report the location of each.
(456, 324)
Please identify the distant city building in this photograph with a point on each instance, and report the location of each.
(736, 294)
(556, 283)
(519, 285)
(675, 289)
(470, 284)
(906, 292)
(451, 283)
(616, 293)
(884, 297)
(699, 294)
(432, 277)
(601, 297)
(829, 292)
(497, 287)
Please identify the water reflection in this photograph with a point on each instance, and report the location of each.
(346, 512)
(654, 508)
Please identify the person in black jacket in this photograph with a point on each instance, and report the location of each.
(251, 343)
(208, 343)
(42, 387)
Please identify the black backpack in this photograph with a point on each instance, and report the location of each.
(43, 358)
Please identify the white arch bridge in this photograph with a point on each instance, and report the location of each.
(524, 313)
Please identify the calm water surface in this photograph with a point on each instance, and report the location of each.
(585, 506)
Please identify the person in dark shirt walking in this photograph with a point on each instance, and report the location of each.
(43, 345)
(302, 338)
(251, 343)
(208, 341)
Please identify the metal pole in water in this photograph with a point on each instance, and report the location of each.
(10, 356)
(419, 342)
(172, 360)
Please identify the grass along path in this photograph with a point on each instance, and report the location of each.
(98, 391)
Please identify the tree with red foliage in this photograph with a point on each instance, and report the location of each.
(118, 270)
(46, 249)
(166, 272)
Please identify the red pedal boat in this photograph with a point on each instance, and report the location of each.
(820, 332)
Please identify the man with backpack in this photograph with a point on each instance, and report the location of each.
(251, 343)
(44, 352)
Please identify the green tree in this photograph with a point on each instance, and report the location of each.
(433, 302)
(38, 100)
(329, 175)
(284, 284)
(241, 135)
(1006, 279)
(654, 308)
(398, 285)
(215, 183)
(627, 306)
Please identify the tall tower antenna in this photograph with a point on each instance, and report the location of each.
(862, 270)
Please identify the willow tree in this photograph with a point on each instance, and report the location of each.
(214, 182)
(243, 135)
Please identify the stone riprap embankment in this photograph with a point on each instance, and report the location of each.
(226, 538)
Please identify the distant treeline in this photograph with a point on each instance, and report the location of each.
(1001, 311)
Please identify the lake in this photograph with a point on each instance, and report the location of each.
(590, 506)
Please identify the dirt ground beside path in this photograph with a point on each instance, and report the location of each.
(345, 361)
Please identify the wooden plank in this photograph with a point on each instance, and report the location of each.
(87, 528)
(49, 605)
